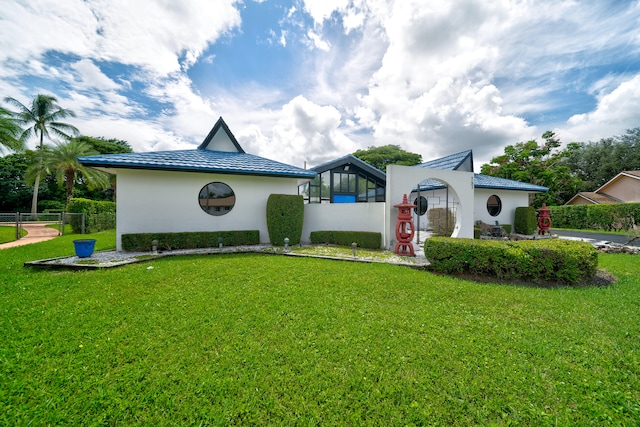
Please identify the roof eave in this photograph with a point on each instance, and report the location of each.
(309, 175)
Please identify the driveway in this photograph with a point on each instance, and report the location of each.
(592, 237)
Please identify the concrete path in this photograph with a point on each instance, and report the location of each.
(36, 232)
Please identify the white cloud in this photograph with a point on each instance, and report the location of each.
(317, 41)
(434, 77)
(616, 111)
(152, 34)
(91, 77)
(308, 132)
(320, 10)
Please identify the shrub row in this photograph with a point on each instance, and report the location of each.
(622, 216)
(285, 217)
(535, 261)
(99, 216)
(189, 240)
(364, 239)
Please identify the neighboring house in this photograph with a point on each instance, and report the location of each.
(622, 188)
(216, 187)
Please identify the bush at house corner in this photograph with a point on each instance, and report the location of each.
(285, 217)
(99, 216)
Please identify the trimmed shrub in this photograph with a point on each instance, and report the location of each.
(622, 216)
(189, 240)
(534, 261)
(285, 217)
(442, 221)
(99, 216)
(525, 220)
(364, 239)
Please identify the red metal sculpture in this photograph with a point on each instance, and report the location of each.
(544, 220)
(405, 228)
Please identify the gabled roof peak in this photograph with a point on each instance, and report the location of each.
(220, 138)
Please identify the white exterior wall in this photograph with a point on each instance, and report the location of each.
(510, 201)
(343, 217)
(163, 201)
(402, 179)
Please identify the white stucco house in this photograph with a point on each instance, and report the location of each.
(448, 182)
(219, 187)
(215, 187)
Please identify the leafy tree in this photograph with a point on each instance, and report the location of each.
(102, 146)
(385, 155)
(41, 118)
(62, 162)
(105, 146)
(539, 164)
(9, 131)
(595, 163)
(15, 194)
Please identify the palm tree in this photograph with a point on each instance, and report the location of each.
(41, 118)
(62, 162)
(9, 131)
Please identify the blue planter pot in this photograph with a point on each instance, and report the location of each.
(84, 247)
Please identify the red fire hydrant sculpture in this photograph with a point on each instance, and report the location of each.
(405, 228)
(544, 220)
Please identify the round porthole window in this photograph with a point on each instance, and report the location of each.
(494, 205)
(216, 198)
(421, 205)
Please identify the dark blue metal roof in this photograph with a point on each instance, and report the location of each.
(484, 181)
(452, 162)
(198, 160)
(348, 160)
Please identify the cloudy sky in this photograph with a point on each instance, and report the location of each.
(311, 80)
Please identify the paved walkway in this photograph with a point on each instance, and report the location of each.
(36, 232)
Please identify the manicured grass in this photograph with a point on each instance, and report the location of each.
(274, 340)
(8, 233)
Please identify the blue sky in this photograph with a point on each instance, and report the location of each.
(307, 81)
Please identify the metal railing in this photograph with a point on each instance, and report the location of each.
(58, 219)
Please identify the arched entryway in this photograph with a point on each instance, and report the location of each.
(400, 180)
(436, 211)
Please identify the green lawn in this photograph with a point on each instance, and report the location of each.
(8, 233)
(273, 340)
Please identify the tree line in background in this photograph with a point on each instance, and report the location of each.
(24, 171)
(578, 167)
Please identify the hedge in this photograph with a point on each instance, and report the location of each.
(534, 261)
(189, 240)
(525, 220)
(99, 216)
(621, 216)
(364, 239)
(285, 217)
